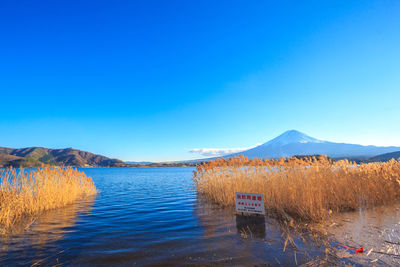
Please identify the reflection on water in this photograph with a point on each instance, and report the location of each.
(375, 229)
(32, 240)
(249, 240)
(251, 226)
(152, 216)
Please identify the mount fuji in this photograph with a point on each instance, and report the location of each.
(292, 143)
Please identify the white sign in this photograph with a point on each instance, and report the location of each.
(250, 203)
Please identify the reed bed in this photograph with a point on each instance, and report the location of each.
(27, 193)
(307, 189)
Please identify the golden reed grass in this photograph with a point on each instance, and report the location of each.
(303, 189)
(27, 193)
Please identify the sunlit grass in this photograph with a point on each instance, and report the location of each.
(28, 193)
(307, 189)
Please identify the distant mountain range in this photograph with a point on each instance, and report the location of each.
(139, 162)
(386, 157)
(293, 143)
(35, 156)
(288, 144)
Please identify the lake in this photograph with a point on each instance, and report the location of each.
(150, 216)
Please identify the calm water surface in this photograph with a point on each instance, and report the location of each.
(148, 216)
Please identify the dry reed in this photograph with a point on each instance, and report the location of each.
(27, 193)
(303, 189)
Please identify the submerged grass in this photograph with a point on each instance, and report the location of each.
(27, 193)
(302, 189)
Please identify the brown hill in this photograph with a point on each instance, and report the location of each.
(36, 156)
(5, 159)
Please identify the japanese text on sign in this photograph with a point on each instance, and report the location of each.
(250, 203)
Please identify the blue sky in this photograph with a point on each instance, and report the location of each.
(150, 80)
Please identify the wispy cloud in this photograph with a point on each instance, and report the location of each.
(215, 152)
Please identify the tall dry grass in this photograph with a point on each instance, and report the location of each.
(27, 193)
(303, 189)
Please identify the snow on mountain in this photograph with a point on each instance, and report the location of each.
(292, 136)
(293, 143)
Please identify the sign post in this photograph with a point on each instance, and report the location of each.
(250, 203)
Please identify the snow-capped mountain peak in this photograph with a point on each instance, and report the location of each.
(293, 143)
(292, 136)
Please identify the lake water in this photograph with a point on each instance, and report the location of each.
(150, 216)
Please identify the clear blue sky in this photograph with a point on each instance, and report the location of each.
(150, 80)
